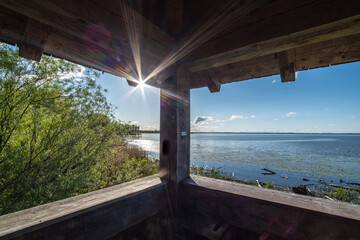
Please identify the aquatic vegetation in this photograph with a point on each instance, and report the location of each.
(346, 195)
(328, 192)
(269, 185)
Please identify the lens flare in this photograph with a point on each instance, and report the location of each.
(141, 84)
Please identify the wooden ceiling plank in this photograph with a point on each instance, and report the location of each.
(86, 21)
(276, 19)
(67, 46)
(174, 16)
(341, 28)
(146, 27)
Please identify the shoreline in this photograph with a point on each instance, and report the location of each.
(325, 133)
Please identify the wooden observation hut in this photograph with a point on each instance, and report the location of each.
(181, 45)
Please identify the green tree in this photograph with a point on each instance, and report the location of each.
(50, 134)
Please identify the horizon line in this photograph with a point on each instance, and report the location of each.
(158, 131)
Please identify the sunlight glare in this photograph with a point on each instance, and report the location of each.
(141, 84)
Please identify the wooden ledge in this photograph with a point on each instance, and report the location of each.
(341, 209)
(260, 210)
(97, 214)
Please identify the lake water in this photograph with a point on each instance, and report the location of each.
(330, 157)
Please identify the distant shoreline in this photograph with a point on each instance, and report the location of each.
(157, 131)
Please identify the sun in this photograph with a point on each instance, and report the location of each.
(141, 84)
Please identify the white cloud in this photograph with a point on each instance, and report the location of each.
(275, 119)
(150, 126)
(331, 124)
(352, 117)
(203, 128)
(76, 74)
(252, 116)
(242, 117)
(296, 75)
(199, 119)
(220, 121)
(290, 114)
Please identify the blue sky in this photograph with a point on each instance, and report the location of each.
(320, 100)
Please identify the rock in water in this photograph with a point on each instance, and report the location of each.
(300, 190)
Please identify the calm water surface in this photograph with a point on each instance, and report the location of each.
(292, 156)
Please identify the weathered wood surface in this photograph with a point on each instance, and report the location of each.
(287, 65)
(284, 214)
(175, 127)
(34, 37)
(174, 16)
(93, 33)
(153, 228)
(324, 54)
(175, 133)
(95, 215)
(96, 32)
(341, 28)
(269, 20)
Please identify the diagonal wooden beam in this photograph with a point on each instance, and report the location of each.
(341, 28)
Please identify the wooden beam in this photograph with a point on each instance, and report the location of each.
(214, 86)
(213, 82)
(96, 25)
(287, 65)
(342, 28)
(175, 132)
(95, 215)
(32, 44)
(64, 45)
(259, 210)
(324, 54)
(275, 19)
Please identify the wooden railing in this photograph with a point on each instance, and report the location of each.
(96, 215)
(258, 210)
(207, 207)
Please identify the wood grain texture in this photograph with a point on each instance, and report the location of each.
(341, 28)
(34, 37)
(287, 65)
(324, 54)
(284, 214)
(95, 215)
(97, 30)
(272, 20)
(173, 16)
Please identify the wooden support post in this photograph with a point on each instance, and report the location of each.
(287, 65)
(175, 132)
(32, 45)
